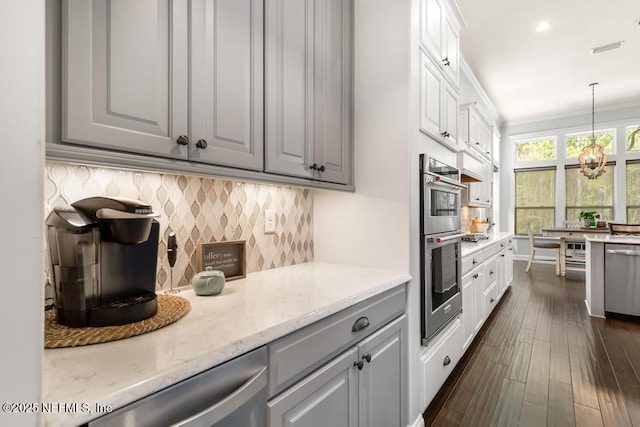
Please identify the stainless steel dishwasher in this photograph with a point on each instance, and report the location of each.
(229, 395)
(622, 281)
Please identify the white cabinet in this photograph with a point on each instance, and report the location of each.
(480, 194)
(476, 135)
(439, 30)
(504, 266)
(308, 96)
(345, 370)
(438, 104)
(472, 309)
(145, 77)
(438, 360)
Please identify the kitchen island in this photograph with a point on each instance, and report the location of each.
(249, 313)
(595, 268)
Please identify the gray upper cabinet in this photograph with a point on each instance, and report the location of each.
(226, 94)
(146, 77)
(308, 88)
(124, 75)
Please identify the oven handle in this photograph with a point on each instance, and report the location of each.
(442, 181)
(445, 238)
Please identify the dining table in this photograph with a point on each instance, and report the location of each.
(566, 234)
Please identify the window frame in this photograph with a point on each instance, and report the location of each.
(544, 208)
(568, 135)
(522, 163)
(627, 163)
(594, 208)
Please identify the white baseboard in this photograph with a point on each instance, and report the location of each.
(419, 422)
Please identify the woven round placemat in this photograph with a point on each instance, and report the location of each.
(170, 309)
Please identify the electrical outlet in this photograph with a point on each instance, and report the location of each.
(269, 221)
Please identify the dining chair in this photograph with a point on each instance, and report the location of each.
(624, 229)
(535, 244)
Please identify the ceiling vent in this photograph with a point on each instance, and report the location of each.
(606, 47)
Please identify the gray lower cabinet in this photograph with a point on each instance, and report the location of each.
(327, 397)
(174, 79)
(364, 386)
(308, 88)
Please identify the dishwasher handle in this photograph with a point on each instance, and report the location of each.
(627, 252)
(226, 406)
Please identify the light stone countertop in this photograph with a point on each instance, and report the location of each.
(469, 248)
(607, 238)
(249, 313)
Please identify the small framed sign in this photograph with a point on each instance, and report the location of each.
(228, 257)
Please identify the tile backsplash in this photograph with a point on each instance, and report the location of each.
(198, 210)
(467, 214)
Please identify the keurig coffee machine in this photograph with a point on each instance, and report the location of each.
(104, 253)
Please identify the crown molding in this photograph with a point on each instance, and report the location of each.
(484, 98)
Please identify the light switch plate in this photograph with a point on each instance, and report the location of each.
(269, 221)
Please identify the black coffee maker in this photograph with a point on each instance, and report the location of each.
(104, 254)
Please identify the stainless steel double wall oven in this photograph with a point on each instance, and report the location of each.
(440, 244)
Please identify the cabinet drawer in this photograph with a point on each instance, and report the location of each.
(490, 299)
(490, 272)
(438, 362)
(297, 354)
(470, 262)
(493, 250)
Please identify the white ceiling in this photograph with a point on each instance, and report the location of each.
(530, 75)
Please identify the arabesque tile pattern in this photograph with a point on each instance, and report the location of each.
(198, 210)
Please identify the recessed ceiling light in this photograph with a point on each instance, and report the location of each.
(542, 26)
(606, 47)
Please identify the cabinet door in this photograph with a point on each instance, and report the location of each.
(431, 92)
(431, 12)
(478, 277)
(468, 309)
(450, 120)
(450, 50)
(308, 88)
(382, 379)
(501, 273)
(124, 83)
(333, 90)
(508, 263)
(327, 397)
(226, 91)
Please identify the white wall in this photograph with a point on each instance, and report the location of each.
(21, 216)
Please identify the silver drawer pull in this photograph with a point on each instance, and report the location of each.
(623, 252)
(360, 324)
(447, 360)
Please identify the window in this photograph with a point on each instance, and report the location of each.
(633, 192)
(633, 144)
(535, 199)
(575, 142)
(583, 194)
(536, 150)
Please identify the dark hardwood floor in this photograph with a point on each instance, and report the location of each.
(542, 360)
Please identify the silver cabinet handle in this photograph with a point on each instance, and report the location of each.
(360, 324)
(229, 404)
(622, 252)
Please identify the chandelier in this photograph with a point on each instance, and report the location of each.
(593, 159)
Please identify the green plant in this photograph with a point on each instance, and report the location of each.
(589, 215)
